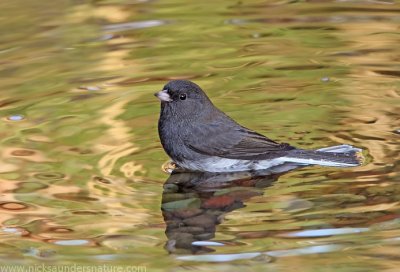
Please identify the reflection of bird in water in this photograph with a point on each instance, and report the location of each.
(194, 203)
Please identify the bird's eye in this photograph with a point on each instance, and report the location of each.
(182, 97)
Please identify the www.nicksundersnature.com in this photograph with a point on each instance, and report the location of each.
(72, 268)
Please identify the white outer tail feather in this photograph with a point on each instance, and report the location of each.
(340, 149)
(336, 149)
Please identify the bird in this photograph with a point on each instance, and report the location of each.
(198, 136)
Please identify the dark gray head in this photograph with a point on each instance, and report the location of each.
(183, 97)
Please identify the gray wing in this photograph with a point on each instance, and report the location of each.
(234, 142)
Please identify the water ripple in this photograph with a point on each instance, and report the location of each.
(134, 25)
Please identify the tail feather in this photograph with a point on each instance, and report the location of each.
(340, 149)
(337, 156)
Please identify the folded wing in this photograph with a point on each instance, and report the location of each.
(234, 142)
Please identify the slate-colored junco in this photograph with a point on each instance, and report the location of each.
(198, 136)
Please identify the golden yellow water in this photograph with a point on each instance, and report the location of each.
(80, 159)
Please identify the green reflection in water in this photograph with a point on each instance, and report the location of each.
(80, 161)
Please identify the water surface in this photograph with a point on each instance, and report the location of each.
(80, 164)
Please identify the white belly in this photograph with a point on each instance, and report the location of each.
(217, 164)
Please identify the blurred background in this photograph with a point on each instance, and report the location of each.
(80, 159)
